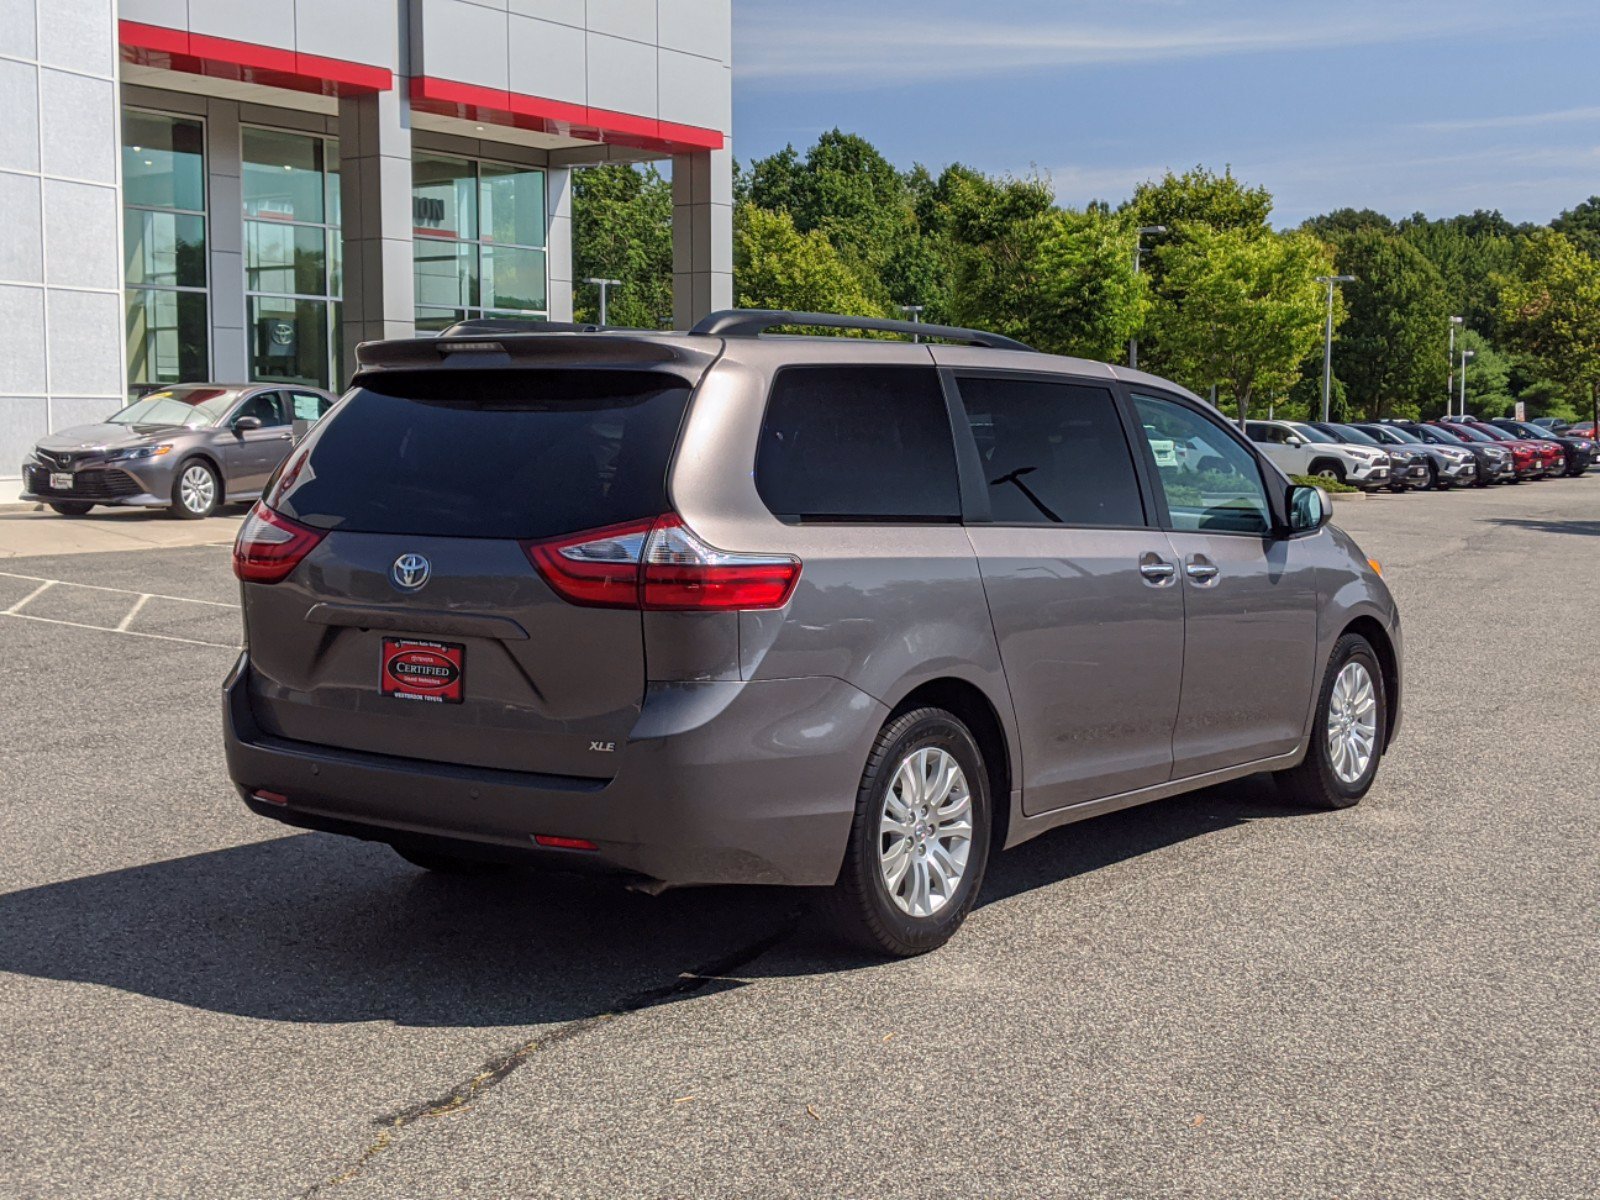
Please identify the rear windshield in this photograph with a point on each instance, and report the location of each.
(491, 454)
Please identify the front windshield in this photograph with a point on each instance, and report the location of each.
(1351, 434)
(1445, 437)
(193, 407)
(1494, 433)
(1312, 435)
(1469, 434)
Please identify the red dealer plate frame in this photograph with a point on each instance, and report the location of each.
(416, 669)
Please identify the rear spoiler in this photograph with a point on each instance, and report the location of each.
(550, 351)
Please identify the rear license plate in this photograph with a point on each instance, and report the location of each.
(427, 671)
(60, 481)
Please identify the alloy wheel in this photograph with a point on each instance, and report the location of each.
(197, 489)
(925, 831)
(1352, 722)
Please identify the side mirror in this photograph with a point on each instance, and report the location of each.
(1294, 441)
(1309, 508)
(246, 424)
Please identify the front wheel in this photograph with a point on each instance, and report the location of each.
(1333, 471)
(195, 492)
(1347, 734)
(71, 508)
(920, 839)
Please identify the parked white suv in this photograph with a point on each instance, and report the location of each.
(1298, 449)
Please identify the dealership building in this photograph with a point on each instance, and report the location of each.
(245, 189)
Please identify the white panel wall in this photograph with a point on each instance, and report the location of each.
(667, 59)
(61, 248)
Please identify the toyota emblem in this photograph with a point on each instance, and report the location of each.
(410, 572)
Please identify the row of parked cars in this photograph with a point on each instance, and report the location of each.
(1413, 455)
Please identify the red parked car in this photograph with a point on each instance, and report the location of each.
(1532, 460)
(1552, 454)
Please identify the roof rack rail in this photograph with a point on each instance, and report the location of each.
(753, 322)
(519, 325)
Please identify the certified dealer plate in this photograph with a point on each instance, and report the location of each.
(60, 481)
(427, 671)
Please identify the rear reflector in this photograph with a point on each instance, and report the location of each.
(269, 797)
(661, 566)
(270, 545)
(563, 843)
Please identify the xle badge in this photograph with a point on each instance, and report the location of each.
(603, 747)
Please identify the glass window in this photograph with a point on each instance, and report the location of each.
(266, 407)
(308, 406)
(288, 339)
(1214, 486)
(168, 336)
(479, 244)
(283, 176)
(164, 247)
(1052, 453)
(508, 454)
(163, 162)
(858, 443)
(292, 255)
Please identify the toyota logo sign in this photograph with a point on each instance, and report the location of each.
(410, 572)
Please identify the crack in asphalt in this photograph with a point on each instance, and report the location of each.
(496, 1070)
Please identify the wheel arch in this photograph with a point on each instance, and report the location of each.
(1327, 460)
(1377, 636)
(978, 712)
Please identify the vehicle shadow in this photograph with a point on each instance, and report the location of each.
(1581, 528)
(313, 928)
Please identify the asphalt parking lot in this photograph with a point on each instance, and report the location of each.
(1211, 996)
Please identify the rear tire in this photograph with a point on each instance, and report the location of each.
(1334, 775)
(440, 863)
(71, 508)
(923, 820)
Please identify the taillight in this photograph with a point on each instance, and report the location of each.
(661, 565)
(270, 545)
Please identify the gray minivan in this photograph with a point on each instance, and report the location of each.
(834, 612)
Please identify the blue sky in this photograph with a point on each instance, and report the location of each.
(1441, 106)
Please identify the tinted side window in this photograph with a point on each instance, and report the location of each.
(1216, 486)
(858, 443)
(268, 406)
(1052, 453)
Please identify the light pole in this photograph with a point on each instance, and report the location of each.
(605, 285)
(1465, 355)
(1138, 253)
(1327, 342)
(914, 311)
(1450, 378)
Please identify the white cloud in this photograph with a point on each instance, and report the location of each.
(882, 46)
(1562, 116)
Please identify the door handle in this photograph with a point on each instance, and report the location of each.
(1156, 569)
(1200, 569)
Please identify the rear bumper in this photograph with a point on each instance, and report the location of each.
(721, 782)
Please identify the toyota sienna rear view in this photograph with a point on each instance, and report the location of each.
(844, 614)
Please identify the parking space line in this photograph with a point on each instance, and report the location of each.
(160, 637)
(122, 625)
(95, 587)
(38, 591)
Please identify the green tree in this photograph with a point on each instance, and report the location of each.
(1471, 252)
(1242, 309)
(777, 266)
(1550, 311)
(1067, 286)
(1581, 226)
(1201, 197)
(1392, 348)
(622, 229)
(1489, 392)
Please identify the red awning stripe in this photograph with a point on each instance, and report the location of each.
(224, 58)
(491, 106)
